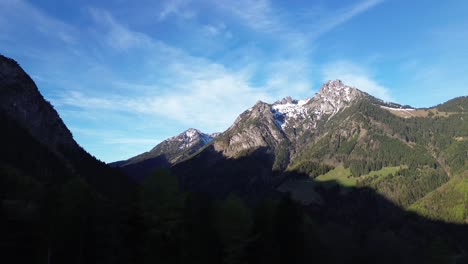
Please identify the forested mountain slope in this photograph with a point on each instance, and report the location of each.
(341, 131)
(57, 202)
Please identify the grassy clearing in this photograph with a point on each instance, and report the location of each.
(340, 175)
(304, 190)
(343, 176)
(418, 113)
(383, 172)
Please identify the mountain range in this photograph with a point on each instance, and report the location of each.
(342, 134)
(341, 171)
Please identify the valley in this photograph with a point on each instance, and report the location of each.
(338, 171)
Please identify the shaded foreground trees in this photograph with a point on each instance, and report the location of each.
(358, 227)
(73, 224)
(193, 228)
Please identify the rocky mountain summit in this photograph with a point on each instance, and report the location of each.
(276, 127)
(168, 152)
(284, 123)
(280, 128)
(190, 137)
(341, 130)
(332, 97)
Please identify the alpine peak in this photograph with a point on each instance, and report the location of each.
(190, 137)
(169, 151)
(337, 89)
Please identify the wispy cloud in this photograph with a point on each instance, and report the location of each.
(175, 7)
(214, 30)
(198, 92)
(257, 14)
(211, 99)
(289, 76)
(337, 18)
(13, 12)
(357, 76)
(128, 75)
(290, 65)
(262, 15)
(78, 99)
(117, 35)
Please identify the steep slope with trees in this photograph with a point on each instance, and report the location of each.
(340, 126)
(58, 204)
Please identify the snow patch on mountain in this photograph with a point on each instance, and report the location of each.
(288, 109)
(191, 137)
(214, 135)
(398, 109)
(333, 97)
(401, 111)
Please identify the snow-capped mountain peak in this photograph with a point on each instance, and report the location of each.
(332, 97)
(190, 137)
(288, 109)
(176, 148)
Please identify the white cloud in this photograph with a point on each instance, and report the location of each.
(78, 99)
(199, 92)
(257, 14)
(337, 18)
(193, 91)
(295, 35)
(117, 35)
(357, 76)
(214, 30)
(178, 88)
(262, 15)
(175, 7)
(289, 77)
(210, 99)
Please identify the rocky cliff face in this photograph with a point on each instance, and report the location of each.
(280, 129)
(285, 122)
(255, 128)
(333, 97)
(253, 155)
(341, 128)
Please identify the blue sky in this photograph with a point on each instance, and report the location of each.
(125, 75)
